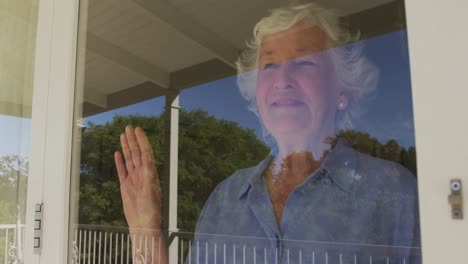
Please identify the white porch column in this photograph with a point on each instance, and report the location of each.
(171, 171)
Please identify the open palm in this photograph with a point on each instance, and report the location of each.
(139, 180)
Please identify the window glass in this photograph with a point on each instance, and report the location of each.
(18, 22)
(286, 136)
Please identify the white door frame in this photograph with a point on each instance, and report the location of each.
(51, 129)
(437, 41)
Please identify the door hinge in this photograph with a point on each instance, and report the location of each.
(38, 211)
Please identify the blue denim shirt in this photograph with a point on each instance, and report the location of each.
(354, 209)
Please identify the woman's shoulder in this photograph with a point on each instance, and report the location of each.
(386, 175)
(240, 180)
(225, 200)
(356, 168)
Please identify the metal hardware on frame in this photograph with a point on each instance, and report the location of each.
(39, 208)
(456, 199)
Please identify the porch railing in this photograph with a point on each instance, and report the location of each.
(11, 243)
(110, 245)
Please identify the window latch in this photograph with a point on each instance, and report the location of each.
(455, 199)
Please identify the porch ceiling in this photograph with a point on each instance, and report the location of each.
(170, 44)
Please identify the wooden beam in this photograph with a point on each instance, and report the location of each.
(127, 59)
(135, 94)
(379, 20)
(201, 73)
(183, 79)
(95, 97)
(90, 109)
(223, 50)
(14, 109)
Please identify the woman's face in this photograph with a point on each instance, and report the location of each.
(296, 93)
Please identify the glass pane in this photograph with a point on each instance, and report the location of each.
(18, 22)
(200, 142)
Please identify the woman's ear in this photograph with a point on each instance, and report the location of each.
(343, 101)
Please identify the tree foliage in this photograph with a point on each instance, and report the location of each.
(209, 151)
(13, 187)
(99, 198)
(391, 150)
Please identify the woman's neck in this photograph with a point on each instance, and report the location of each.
(296, 155)
(316, 142)
(316, 149)
(292, 171)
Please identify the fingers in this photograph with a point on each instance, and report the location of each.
(134, 147)
(127, 153)
(145, 147)
(121, 170)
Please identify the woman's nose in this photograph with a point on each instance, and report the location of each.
(284, 76)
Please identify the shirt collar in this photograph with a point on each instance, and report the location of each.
(256, 174)
(340, 164)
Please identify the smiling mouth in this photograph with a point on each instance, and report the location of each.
(287, 103)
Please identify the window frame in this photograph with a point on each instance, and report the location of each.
(52, 117)
(431, 25)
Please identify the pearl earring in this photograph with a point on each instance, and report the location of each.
(341, 106)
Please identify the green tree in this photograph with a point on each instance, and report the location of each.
(362, 142)
(409, 159)
(391, 150)
(209, 151)
(99, 199)
(13, 180)
(13, 187)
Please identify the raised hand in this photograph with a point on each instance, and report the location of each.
(139, 181)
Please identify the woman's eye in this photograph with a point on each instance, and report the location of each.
(269, 66)
(306, 63)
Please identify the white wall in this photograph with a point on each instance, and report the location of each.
(18, 22)
(438, 41)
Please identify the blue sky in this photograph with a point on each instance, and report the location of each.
(389, 114)
(15, 135)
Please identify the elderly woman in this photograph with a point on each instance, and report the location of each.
(304, 85)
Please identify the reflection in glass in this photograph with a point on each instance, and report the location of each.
(18, 21)
(310, 179)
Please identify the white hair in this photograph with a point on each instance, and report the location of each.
(356, 76)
